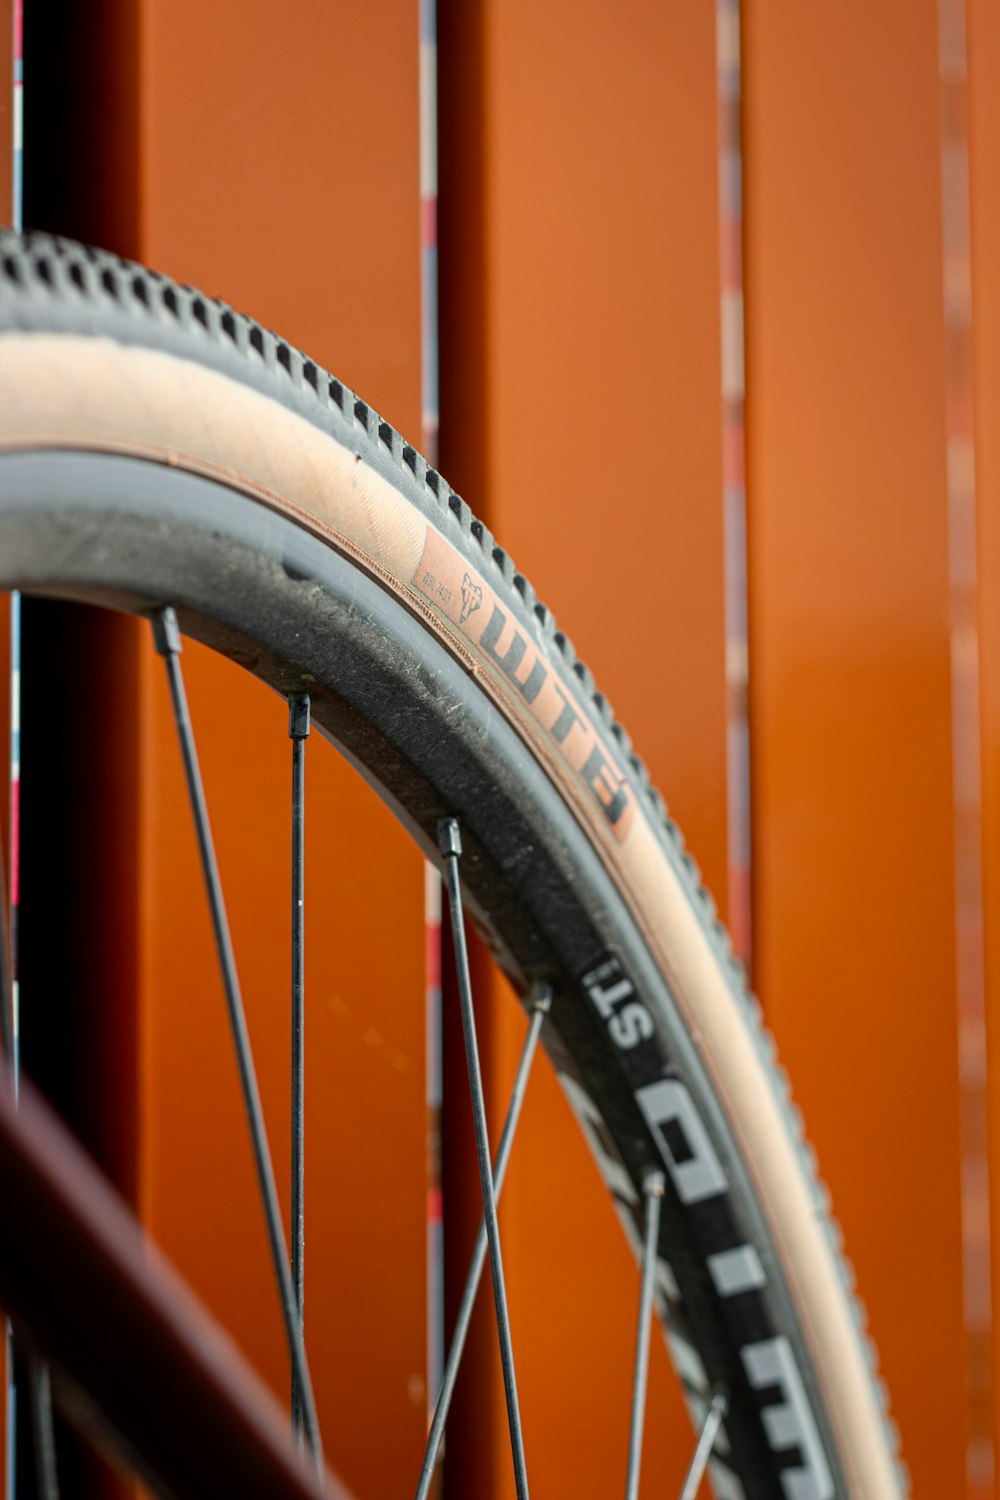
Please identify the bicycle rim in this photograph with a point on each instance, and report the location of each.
(159, 449)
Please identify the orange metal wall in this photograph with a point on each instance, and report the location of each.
(581, 411)
(278, 165)
(984, 110)
(274, 160)
(850, 691)
(6, 109)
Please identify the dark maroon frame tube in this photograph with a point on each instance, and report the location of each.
(133, 1354)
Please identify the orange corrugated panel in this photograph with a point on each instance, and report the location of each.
(279, 168)
(984, 145)
(581, 412)
(849, 649)
(6, 111)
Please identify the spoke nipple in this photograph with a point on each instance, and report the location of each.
(298, 716)
(653, 1184)
(541, 999)
(166, 631)
(449, 838)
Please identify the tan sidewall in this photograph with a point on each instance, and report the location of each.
(79, 392)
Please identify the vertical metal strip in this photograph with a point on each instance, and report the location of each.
(17, 204)
(965, 731)
(428, 226)
(15, 828)
(17, 221)
(17, 216)
(15, 1008)
(432, 880)
(727, 24)
(434, 1069)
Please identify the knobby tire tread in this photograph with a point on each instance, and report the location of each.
(52, 279)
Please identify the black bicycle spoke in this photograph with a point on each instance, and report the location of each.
(703, 1450)
(540, 1007)
(42, 1429)
(298, 729)
(653, 1196)
(167, 636)
(450, 842)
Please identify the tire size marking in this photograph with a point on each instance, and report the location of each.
(444, 578)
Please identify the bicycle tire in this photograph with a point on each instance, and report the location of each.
(157, 447)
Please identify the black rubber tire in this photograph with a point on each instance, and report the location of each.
(284, 553)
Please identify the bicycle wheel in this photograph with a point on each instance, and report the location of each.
(157, 448)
